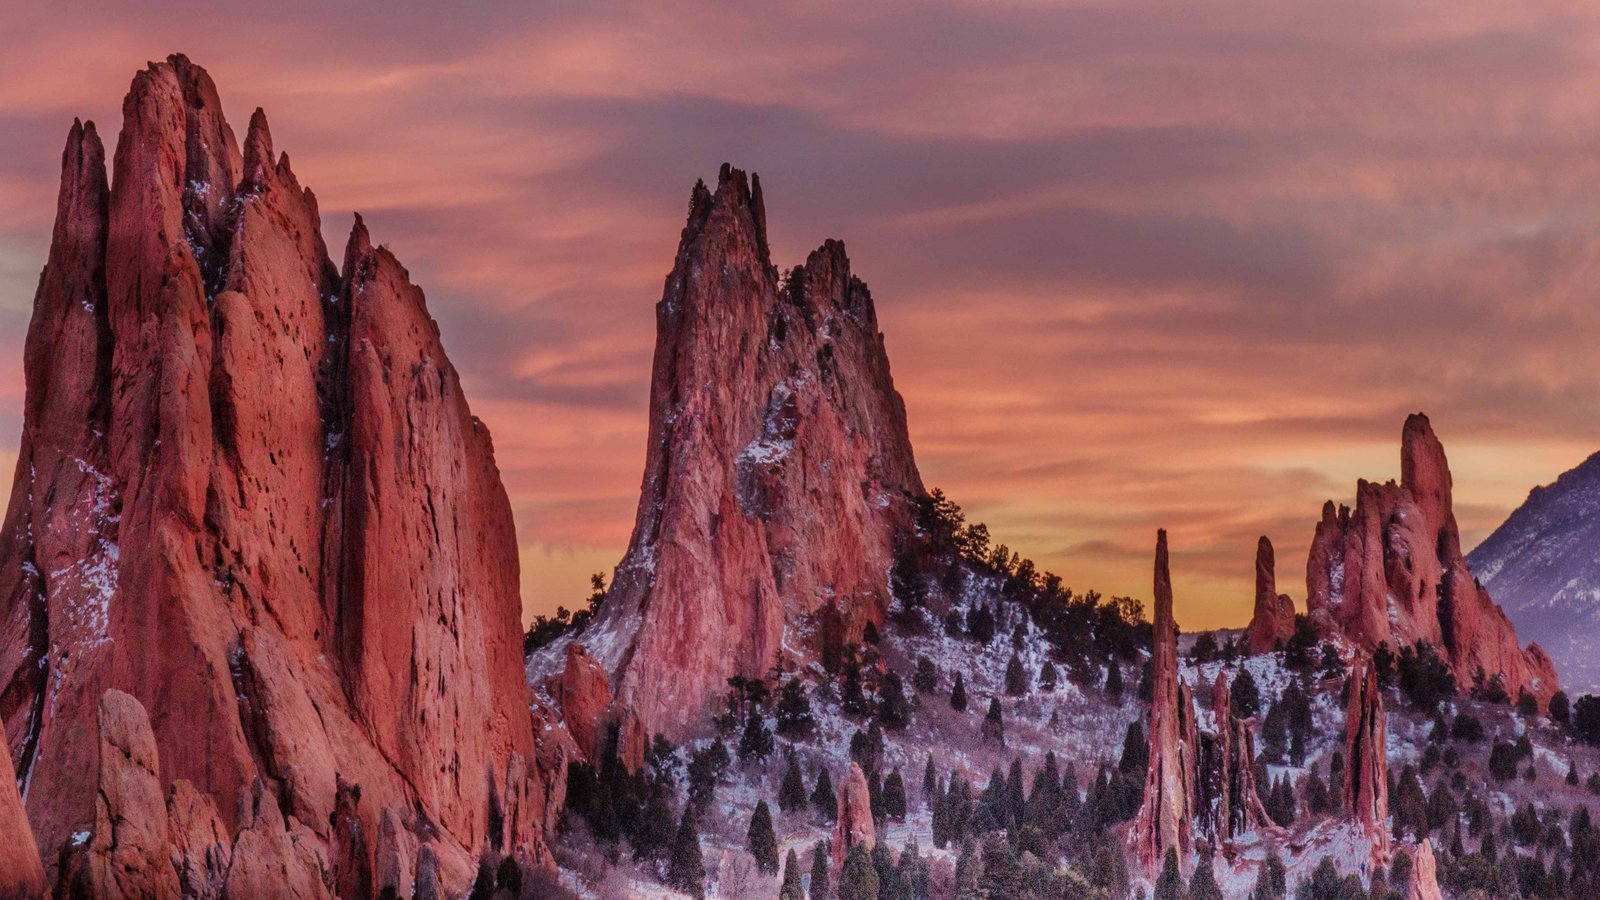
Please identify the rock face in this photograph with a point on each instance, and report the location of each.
(778, 472)
(1229, 803)
(21, 872)
(1391, 571)
(1166, 817)
(1542, 567)
(1366, 748)
(1424, 874)
(853, 825)
(265, 467)
(1272, 623)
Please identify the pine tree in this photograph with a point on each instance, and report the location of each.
(791, 889)
(686, 870)
(858, 880)
(893, 708)
(994, 727)
(1114, 683)
(792, 793)
(958, 694)
(1016, 677)
(794, 710)
(761, 840)
(1015, 799)
(969, 874)
(1244, 695)
(894, 796)
(652, 839)
(819, 870)
(1203, 885)
(1169, 885)
(756, 741)
(926, 678)
(930, 780)
(875, 798)
(1048, 676)
(823, 797)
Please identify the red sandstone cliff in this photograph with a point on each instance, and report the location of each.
(1391, 570)
(251, 496)
(1166, 817)
(1272, 623)
(1366, 749)
(778, 470)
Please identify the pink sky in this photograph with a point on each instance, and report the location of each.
(1138, 264)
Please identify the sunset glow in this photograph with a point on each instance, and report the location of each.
(1134, 271)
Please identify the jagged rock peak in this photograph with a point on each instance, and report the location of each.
(1166, 816)
(1229, 803)
(779, 476)
(1272, 622)
(245, 459)
(1391, 571)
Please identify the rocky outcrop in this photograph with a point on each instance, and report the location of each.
(130, 846)
(1166, 817)
(583, 693)
(1229, 803)
(1366, 749)
(265, 467)
(853, 824)
(1272, 623)
(1391, 571)
(21, 872)
(1424, 874)
(778, 472)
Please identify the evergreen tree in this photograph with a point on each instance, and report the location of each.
(894, 796)
(794, 710)
(823, 798)
(858, 880)
(969, 875)
(1048, 676)
(1244, 695)
(994, 727)
(1203, 884)
(792, 793)
(851, 697)
(819, 870)
(761, 840)
(756, 741)
(791, 889)
(1169, 884)
(686, 870)
(652, 839)
(1135, 751)
(980, 624)
(1016, 677)
(1114, 682)
(893, 708)
(930, 780)
(926, 679)
(958, 694)
(875, 798)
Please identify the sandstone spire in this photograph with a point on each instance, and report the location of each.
(1424, 874)
(778, 471)
(853, 822)
(265, 468)
(1391, 571)
(1229, 803)
(1272, 623)
(1166, 818)
(1366, 784)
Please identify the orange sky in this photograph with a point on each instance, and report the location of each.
(1137, 265)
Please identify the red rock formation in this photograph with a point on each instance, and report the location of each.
(1166, 818)
(21, 873)
(778, 470)
(583, 693)
(130, 846)
(266, 468)
(1272, 624)
(1229, 803)
(853, 824)
(201, 845)
(1366, 749)
(1391, 571)
(1424, 874)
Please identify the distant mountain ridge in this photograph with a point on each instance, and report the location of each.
(1543, 566)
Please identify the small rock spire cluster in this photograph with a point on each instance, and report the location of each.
(1230, 805)
(1272, 623)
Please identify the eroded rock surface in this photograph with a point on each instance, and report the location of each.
(853, 824)
(1272, 623)
(1391, 571)
(264, 466)
(778, 473)
(1166, 817)
(1366, 781)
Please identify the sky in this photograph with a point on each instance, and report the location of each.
(1138, 264)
